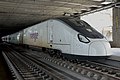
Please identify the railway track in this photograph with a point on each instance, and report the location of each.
(28, 68)
(92, 69)
(25, 70)
(109, 61)
(58, 69)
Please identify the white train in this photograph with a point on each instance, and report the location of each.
(69, 37)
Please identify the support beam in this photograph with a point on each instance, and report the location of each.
(116, 27)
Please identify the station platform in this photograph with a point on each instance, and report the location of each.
(115, 54)
(115, 51)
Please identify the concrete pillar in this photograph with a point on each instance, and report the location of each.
(116, 27)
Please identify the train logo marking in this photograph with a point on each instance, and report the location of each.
(34, 36)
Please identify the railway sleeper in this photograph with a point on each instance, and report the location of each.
(97, 77)
(90, 74)
(111, 72)
(118, 74)
(84, 72)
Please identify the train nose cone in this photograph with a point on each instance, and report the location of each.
(97, 49)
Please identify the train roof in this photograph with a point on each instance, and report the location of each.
(81, 26)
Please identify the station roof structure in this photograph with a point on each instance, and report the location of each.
(18, 14)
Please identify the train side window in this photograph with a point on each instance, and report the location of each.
(13, 38)
(9, 38)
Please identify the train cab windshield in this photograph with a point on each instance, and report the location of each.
(82, 27)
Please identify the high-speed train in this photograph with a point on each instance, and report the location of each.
(68, 37)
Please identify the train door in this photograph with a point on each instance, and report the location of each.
(50, 31)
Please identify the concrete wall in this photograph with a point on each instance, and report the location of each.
(116, 27)
(102, 21)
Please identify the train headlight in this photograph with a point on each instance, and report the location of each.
(83, 39)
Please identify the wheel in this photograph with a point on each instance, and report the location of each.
(51, 52)
(58, 54)
(43, 49)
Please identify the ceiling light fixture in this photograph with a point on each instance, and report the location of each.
(98, 0)
(67, 3)
(107, 2)
(117, 5)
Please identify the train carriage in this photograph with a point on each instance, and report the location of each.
(73, 37)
